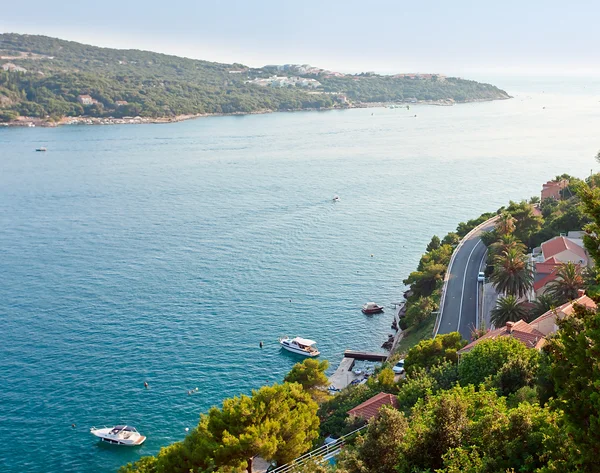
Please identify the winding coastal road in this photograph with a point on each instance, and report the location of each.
(459, 309)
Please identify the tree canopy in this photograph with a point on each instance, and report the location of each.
(431, 352)
(310, 374)
(277, 422)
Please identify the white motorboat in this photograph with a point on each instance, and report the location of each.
(371, 308)
(336, 198)
(300, 346)
(119, 435)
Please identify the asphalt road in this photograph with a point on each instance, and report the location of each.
(459, 312)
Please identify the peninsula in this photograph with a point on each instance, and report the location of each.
(48, 81)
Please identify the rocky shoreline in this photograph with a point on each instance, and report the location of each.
(33, 122)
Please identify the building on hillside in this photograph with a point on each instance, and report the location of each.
(86, 100)
(370, 408)
(520, 330)
(564, 250)
(546, 323)
(120, 103)
(551, 190)
(547, 258)
(533, 334)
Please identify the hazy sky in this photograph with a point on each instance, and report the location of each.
(450, 36)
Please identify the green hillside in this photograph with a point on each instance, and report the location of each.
(45, 76)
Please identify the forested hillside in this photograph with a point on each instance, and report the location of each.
(45, 77)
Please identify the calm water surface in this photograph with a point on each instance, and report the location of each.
(165, 253)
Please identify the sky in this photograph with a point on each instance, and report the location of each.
(451, 36)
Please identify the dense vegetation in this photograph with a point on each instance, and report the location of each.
(159, 85)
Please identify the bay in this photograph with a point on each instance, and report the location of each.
(166, 253)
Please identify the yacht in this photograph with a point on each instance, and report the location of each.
(119, 435)
(300, 346)
(371, 308)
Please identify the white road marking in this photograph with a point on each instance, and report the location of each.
(463, 285)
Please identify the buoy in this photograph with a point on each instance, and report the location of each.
(260, 344)
(189, 393)
(187, 429)
(196, 389)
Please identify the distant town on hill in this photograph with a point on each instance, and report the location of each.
(51, 79)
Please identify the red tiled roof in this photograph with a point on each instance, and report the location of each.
(566, 308)
(547, 266)
(545, 280)
(371, 407)
(559, 244)
(521, 331)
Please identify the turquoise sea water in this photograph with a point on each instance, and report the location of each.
(165, 253)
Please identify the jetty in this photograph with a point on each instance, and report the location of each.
(365, 355)
(344, 375)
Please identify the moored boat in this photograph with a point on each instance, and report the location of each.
(372, 308)
(119, 435)
(41, 149)
(300, 346)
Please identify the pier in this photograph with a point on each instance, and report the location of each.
(343, 376)
(365, 355)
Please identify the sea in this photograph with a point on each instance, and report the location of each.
(166, 253)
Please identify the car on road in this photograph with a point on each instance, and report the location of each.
(398, 367)
(481, 276)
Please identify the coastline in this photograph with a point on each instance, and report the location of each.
(32, 122)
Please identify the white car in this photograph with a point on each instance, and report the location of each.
(399, 367)
(481, 277)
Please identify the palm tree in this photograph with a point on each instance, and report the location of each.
(512, 275)
(569, 279)
(505, 224)
(543, 304)
(508, 309)
(506, 242)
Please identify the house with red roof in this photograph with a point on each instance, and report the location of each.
(551, 190)
(520, 330)
(533, 334)
(370, 408)
(547, 322)
(564, 250)
(551, 255)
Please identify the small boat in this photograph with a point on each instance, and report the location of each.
(371, 308)
(300, 346)
(119, 435)
(41, 149)
(336, 198)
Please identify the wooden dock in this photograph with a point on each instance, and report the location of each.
(365, 355)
